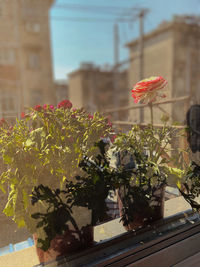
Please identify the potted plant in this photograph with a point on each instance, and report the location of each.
(141, 195)
(153, 165)
(46, 147)
(90, 190)
(190, 188)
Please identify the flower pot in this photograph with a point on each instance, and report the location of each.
(65, 244)
(142, 214)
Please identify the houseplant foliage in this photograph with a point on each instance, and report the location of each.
(89, 190)
(45, 147)
(190, 188)
(141, 197)
(142, 193)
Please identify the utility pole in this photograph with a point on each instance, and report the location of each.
(141, 55)
(115, 69)
(141, 16)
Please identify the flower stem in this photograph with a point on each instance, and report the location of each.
(151, 110)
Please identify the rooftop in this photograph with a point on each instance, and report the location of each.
(180, 22)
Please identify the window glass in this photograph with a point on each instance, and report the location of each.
(33, 60)
(33, 27)
(36, 97)
(7, 56)
(93, 54)
(8, 101)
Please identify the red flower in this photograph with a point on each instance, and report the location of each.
(65, 104)
(147, 89)
(112, 138)
(23, 115)
(38, 108)
(48, 107)
(90, 116)
(109, 123)
(2, 121)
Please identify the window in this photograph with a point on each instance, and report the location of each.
(7, 56)
(33, 60)
(8, 101)
(1, 9)
(36, 97)
(33, 27)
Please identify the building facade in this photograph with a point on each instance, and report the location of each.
(61, 90)
(25, 56)
(172, 51)
(25, 74)
(95, 89)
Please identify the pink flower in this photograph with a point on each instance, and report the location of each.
(74, 109)
(23, 115)
(112, 138)
(65, 104)
(38, 108)
(146, 90)
(2, 121)
(49, 107)
(109, 123)
(90, 116)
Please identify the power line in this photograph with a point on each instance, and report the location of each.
(125, 15)
(100, 9)
(95, 7)
(82, 19)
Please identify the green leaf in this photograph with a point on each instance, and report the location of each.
(8, 210)
(36, 215)
(2, 189)
(40, 224)
(176, 171)
(178, 184)
(20, 221)
(7, 159)
(29, 142)
(25, 198)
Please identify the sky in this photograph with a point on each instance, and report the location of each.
(74, 42)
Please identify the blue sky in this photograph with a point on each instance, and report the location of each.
(75, 42)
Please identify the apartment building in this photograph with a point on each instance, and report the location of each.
(172, 51)
(25, 74)
(61, 90)
(25, 55)
(96, 88)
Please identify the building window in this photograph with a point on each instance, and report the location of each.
(1, 9)
(33, 27)
(33, 60)
(36, 97)
(7, 56)
(8, 101)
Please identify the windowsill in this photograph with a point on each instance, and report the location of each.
(114, 243)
